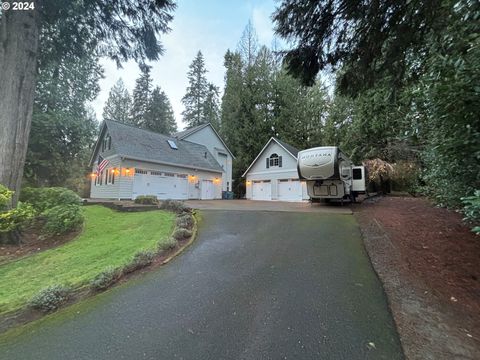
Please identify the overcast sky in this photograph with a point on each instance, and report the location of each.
(212, 26)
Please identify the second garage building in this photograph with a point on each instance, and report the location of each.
(273, 174)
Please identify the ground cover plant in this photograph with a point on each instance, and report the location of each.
(109, 239)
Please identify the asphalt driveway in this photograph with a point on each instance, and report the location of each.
(254, 285)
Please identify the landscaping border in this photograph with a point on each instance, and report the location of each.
(162, 257)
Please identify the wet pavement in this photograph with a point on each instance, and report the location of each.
(254, 285)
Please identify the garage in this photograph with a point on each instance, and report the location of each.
(207, 190)
(262, 190)
(163, 185)
(289, 190)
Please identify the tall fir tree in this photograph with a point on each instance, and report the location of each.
(141, 96)
(211, 106)
(196, 94)
(119, 104)
(159, 116)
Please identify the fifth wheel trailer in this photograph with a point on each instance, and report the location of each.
(330, 174)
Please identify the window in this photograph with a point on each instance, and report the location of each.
(157, 173)
(169, 174)
(172, 144)
(183, 176)
(140, 171)
(274, 160)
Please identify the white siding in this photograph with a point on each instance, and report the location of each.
(259, 171)
(210, 140)
(194, 177)
(107, 191)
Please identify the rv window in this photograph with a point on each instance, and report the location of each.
(357, 174)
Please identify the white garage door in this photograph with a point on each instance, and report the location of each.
(163, 185)
(207, 190)
(262, 190)
(289, 190)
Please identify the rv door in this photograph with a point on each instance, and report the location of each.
(359, 184)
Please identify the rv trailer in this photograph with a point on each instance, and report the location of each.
(330, 174)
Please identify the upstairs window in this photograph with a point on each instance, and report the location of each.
(274, 160)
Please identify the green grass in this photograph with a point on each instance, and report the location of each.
(109, 239)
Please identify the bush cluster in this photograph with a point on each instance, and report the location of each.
(182, 234)
(105, 279)
(146, 200)
(140, 260)
(185, 221)
(174, 205)
(51, 298)
(48, 197)
(60, 208)
(62, 219)
(170, 243)
(12, 219)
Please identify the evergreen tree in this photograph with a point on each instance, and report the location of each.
(121, 30)
(141, 96)
(211, 107)
(119, 104)
(159, 116)
(196, 95)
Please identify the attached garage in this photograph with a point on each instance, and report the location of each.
(207, 190)
(163, 185)
(262, 190)
(289, 190)
(273, 174)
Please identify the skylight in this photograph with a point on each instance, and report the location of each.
(172, 144)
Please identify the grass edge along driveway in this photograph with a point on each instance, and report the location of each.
(109, 238)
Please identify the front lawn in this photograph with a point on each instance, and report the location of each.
(109, 239)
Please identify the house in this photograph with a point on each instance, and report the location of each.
(128, 162)
(273, 174)
(207, 135)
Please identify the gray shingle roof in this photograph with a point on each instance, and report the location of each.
(132, 142)
(293, 150)
(182, 134)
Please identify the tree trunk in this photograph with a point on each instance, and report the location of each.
(19, 37)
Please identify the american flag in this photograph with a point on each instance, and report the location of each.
(102, 164)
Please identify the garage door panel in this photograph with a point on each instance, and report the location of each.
(163, 187)
(289, 190)
(261, 190)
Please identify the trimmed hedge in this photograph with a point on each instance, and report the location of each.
(146, 200)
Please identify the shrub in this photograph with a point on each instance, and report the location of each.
(168, 244)
(146, 200)
(48, 197)
(5, 197)
(140, 260)
(175, 206)
(185, 221)
(182, 234)
(405, 176)
(472, 210)
(63, 218)
(105, 279)
(51, 298)
(14, 219)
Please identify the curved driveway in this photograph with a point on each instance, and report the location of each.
(254, 285)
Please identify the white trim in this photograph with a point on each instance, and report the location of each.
(274, 172)
(168, 163)
(261, 152)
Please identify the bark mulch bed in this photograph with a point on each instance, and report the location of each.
(429, 263)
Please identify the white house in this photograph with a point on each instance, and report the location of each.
(273, 174)
(194, 164)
